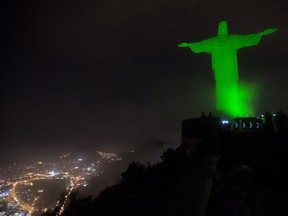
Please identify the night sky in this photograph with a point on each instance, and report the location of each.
(108, 75)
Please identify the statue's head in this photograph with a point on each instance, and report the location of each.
(223, 28)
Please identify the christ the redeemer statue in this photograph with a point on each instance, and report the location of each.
(223, 49)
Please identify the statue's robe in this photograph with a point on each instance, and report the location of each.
(223, 49)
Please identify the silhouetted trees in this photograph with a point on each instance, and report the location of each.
(268, 122)
(139, 187)
(143, 187)
(281, 122)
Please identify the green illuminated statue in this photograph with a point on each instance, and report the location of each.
(223, 49)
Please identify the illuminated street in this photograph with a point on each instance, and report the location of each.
(36, 188)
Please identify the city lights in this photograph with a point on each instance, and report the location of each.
(24, 191)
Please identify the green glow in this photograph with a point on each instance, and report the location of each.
(230, 98)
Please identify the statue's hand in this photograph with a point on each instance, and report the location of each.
(269, 31)
(183, 45)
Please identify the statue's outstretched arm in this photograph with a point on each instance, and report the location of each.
(183, 44)
(197, 47)
(252, 39)
(268, 31)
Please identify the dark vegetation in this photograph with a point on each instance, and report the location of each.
(140, 187)
(251, 167)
